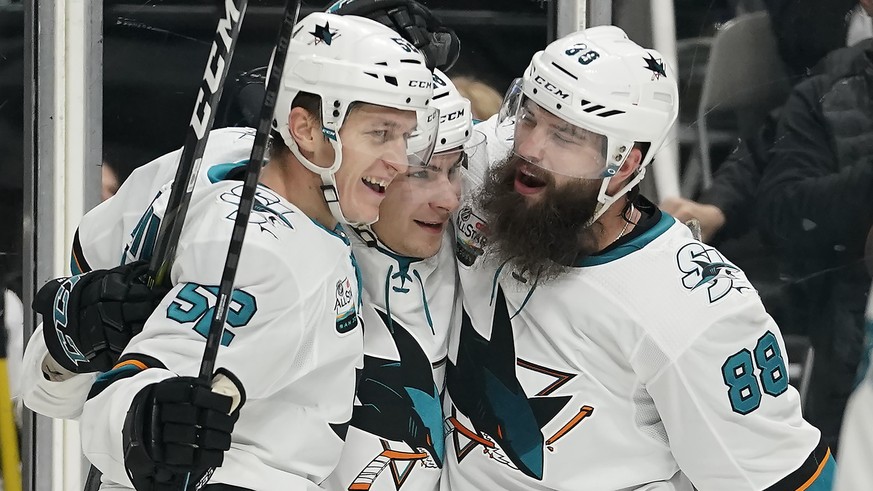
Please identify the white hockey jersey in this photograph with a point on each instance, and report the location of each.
(293, 339)
(856, 435)
(652, 366)
(98, 244)
(395, 440)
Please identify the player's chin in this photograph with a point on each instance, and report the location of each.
(421, 245)
(361, 207)
(427, 244)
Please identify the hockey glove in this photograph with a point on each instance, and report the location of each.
(412, 20)
(88, 319)
(177, 430)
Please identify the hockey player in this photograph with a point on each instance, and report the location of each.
(410, 306)
(414, 252)
(288, 305)
(601, 346)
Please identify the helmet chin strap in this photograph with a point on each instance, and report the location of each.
(329, 190)
(367, 234)
(604, 200)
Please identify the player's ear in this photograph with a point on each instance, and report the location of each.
(305, 129)
(627, 170)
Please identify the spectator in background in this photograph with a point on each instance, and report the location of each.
(814, 204)
(485, 99)
(726, 209)
(807, 30)
(110, 181)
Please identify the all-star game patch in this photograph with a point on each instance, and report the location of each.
(324, 34)
(656, 66)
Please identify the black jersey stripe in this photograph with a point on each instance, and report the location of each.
(815, 473)
(78, 264)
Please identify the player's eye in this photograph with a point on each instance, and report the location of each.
(380, 135)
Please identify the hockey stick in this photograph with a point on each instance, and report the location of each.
(250, 184)
(202, 120)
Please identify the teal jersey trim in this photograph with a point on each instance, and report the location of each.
(113, 374)
(825, 479)
(74, 267)
(632, 246)
(218, 173)
(337, 231)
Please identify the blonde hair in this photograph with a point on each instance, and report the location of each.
(485, 99)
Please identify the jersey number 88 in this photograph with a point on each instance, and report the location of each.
(744, 386)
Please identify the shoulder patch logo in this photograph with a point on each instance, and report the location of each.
(344, 307)
(703, 266)
(268, 211)
(470, 236)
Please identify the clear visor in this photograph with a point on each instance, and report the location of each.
(549, 141)
(399, 138)
(439, 182)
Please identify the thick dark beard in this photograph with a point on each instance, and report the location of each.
(546, 237)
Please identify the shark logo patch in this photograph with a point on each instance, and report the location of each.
(656, 66)
(323, 34)
(491, 408)
(400, 404)
(703, 267)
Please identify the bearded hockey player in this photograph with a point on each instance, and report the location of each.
(601, 346)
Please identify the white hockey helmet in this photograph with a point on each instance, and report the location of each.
(348, 59)
(602, 82)
(456, 114)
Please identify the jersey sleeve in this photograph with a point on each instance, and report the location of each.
(105, 228)
(719, 381)
(270, 324)
(856, 440)
(856, 435)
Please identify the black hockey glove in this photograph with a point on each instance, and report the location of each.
(177, 430)
(412, 20)
(88, 319)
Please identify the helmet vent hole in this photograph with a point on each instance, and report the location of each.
(440, 96)
(534, 90)
(467, 133)
(383, 63)
(336, 113)
(336, 104)
(443, 141)
(416, 62)
(559, 106)
(371, 74)
(408, 100)
(593, 108)
(663, 97)
(391, 80)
